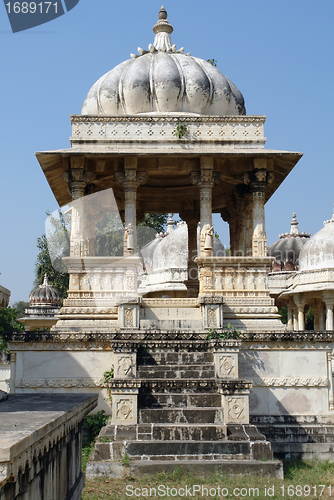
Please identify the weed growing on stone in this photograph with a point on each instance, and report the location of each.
(108, 375)
(181, 130)
(228, 333)
(126, 460)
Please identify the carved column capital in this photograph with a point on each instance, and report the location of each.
(130, 178)
(76, 175)
(205, 178)
(257, 179)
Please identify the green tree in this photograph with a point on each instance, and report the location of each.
(59, 280)
(9, 323)
(283, 312)
(21, 306)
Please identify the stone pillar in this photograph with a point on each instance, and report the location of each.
(329, 301)
(130, 179)
(257, 180)
(206, 179)
(300, 303)
(321, 318)
(191, 216)
(295, 319)
(330, 381)
(12, 381)
(78, 178)
(192, 283)
(248, 224)
(290, 322)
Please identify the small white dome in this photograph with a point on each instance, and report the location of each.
(164, 80)
(318, 252)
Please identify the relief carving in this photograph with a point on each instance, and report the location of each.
(236, 409)
(124, 409)
(125, 367)
(128, 318)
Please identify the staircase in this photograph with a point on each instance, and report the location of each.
(182, 422)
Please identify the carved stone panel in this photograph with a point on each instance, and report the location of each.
(128, 316)
(236, 409)
(212, 315)
(226, 365)
(124, 409)
(125, 365)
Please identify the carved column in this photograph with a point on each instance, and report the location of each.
(321, 318)
(300, 303)
(191, 217)
(248, 224)
(206, 179)
(257, 180)
(329, 301)
(295, 319)
(130, 179)
(77, 179)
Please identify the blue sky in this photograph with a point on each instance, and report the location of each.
(278, 53)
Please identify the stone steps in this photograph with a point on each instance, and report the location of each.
(183, 432)
(165, 432)
(169, 358)
(182, 450)
(181, 415)
(161, 400)
(176, 372)
(181, 422)
(201, 468)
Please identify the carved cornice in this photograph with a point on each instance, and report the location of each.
(291, 382)
(167, 119)
(236, 386)
(300, 336)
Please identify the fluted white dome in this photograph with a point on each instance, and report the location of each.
(164, 80)
(287, 249)
(318, 252)
(45, 295)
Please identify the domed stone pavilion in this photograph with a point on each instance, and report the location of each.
(313, 285)
(44, 307)
(200, 363)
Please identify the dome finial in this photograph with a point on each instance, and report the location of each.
(294, 225)
(162, 32)
(162, 13)
(170, 223)
(45, 281)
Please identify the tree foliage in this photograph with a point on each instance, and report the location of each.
(9, 323)
(59, 280)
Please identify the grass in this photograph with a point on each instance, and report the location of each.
(298, 476)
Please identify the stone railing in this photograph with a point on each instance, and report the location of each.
(236, 131)
(32, 449)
